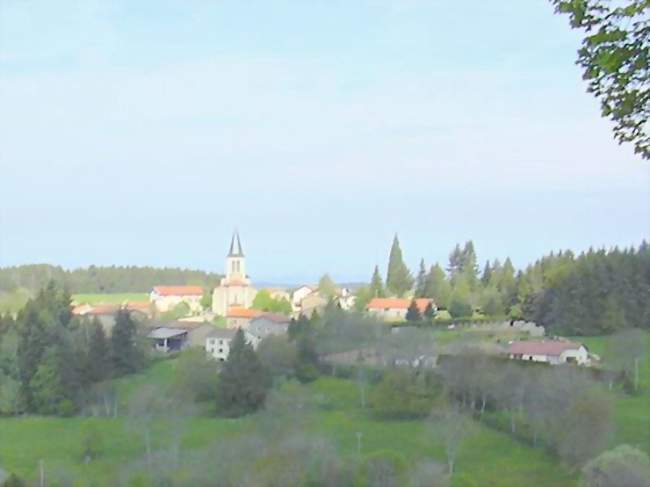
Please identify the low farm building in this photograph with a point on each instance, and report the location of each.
(166, 298)
(240, 317)
(267, 324)
(168, 339)
(394, 309)
(217, 343)
(552, 352)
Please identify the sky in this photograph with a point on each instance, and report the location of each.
(143, 133)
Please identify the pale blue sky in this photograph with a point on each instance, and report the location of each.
(144, 132)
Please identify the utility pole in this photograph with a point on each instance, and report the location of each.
(359, 435)
(41, 468)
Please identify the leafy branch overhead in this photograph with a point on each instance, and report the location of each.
(614, 55)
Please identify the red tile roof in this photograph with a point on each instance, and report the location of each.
(274, 317)
(178, 290)
(541, 347)
(239, 312)
(398, 303)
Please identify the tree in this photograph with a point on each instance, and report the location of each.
(487, 273)
(326, 286)
(625, 350)
(126, 357)
(398, 278)
(243, 382)
(195, 376)
(377, 284)
(437, 287)
(624, 466)
(92, 444)
(491, 303)
(421, 281)
(413, 312)
(429, 312)
(307, 364)
(14, 481)
(428, 474)
(614, 56)
(265, 302)
(206, 299)
(459, 304)
(277, 355)
(454, 427)
(98, 359)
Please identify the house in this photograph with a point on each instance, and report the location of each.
(345, 299)
(267, 324)
(166, 298)
(234, 290)
(394, 309)
(240, 317)
(552, 352)
(217, 343)
(168, 339)
(196, 331)
(311, 303)
(298, 295)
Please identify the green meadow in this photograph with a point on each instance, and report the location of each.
(109, 298)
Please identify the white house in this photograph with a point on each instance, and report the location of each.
(166, 298)
(552, 352)
(217, 343)
(299, 294)
(394, 309)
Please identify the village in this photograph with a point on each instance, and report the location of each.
(231, 308)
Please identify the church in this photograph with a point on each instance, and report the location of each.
(235, 290)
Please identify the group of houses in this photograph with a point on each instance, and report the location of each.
(233, 298)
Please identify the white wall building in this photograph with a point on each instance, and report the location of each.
(552, 352)
(166, 298)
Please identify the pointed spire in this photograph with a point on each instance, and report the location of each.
(235, 246)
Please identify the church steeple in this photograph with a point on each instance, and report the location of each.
(235, 246)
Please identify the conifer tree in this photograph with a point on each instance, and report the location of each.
(98, 356)
(126, 357)
(398, 278)
(421, 281)
(437, 287)
(377, 285)
(413, 312)
(243, 382)
(487, 273)
(429, 312)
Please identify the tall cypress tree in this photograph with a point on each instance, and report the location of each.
(243, 382)
(377, 284)
(398, 278)
(421, 281)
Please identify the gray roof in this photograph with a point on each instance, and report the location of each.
(228, 333)
(164, 332)
(235, 246)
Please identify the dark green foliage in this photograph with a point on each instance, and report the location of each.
(14, 481)
(126, 356)
(398, 279)
(377, 285)
(243, 382)
(413, 312)
(596, 293)
(98, 358)
(421, 281)
(429, 312)
(307, 366)
(264, 302)
(101, 279)
(459, 305)
(195, 376)
(437, 287)
(615, 56)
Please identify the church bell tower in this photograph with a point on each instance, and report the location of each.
(236, 261)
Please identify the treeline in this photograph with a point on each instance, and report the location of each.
(50, 361)
(592, 293)
(93, 279)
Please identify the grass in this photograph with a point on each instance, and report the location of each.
(110, 298)
(488, 457)
(13, 301)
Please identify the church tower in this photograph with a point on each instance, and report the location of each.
(235, 290)
(235, 261)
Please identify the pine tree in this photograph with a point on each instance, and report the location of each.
(243, 382)
(377, 285)
(421, 281)
(98, 356)
(437, 287)
(126, 357)
(413, 312)
(398, 278)
(487, 273)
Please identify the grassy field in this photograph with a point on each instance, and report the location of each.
(116, 298)
(486, 458)
(13, 301)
